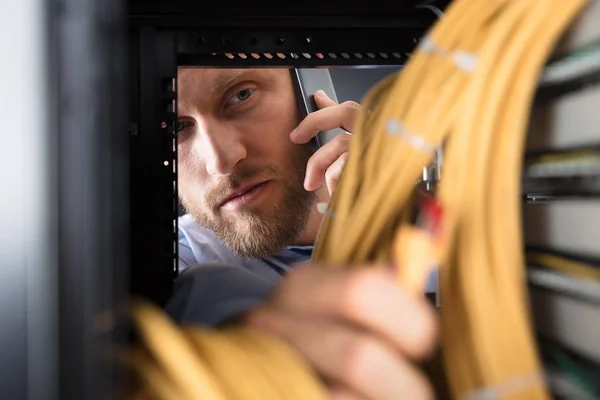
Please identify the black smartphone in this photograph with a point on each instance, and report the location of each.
(307, 81)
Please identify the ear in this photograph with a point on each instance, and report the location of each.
(322, 100)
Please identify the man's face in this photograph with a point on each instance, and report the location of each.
(240, 175)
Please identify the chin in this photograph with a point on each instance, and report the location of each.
(265, 228)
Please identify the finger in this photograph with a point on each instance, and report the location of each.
(332, 175)
(368, 297)
(323, 159)
(322, 100)
(346, 355)
(335, 116)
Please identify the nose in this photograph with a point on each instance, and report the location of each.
(221, 149)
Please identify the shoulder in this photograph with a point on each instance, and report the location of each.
(198, 244)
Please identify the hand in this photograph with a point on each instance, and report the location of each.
(356, 328)
(328, 161)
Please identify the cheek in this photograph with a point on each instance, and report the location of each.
(189, 174)
(185, 164)
(270, 128)
(272, 146)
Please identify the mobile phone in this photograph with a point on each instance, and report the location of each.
(307, 81)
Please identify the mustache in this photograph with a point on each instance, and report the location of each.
(243, 175)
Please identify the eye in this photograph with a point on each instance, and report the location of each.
(240, 97)
(183, 124)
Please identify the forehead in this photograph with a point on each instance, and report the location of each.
(208, 78)
(213, 79)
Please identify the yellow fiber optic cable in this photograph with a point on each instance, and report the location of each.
(469, 86)
(487, 336)
(564, 265)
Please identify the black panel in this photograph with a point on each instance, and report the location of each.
(153, 155)
(298, 47)
(288, 8)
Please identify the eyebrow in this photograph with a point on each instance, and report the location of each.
(219, 84)
(222, 82)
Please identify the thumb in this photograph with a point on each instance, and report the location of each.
(322, 100)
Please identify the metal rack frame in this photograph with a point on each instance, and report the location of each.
(164, 36)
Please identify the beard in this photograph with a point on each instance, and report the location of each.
(254, 232)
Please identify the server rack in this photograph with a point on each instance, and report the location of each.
(164, 35)
(93, 215)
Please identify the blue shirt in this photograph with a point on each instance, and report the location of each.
(225, 284)
(215, 284)
(198, 245)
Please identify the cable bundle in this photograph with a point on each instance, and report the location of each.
(226, 364)
(468, 86)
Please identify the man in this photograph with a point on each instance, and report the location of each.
(242, 163)
(250, 180)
